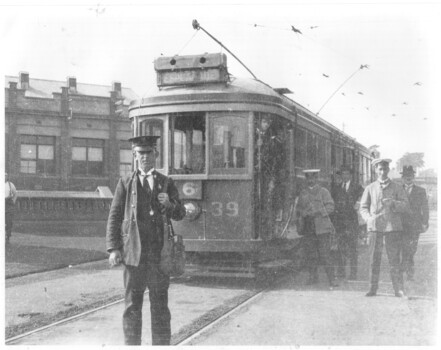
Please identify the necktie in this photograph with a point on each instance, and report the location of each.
(145, 183)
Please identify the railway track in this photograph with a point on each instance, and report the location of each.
(11, 340)
(187, 340)
(185, 334)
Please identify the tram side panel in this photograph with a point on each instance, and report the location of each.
(225, 224)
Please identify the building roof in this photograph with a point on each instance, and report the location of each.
(42, 88)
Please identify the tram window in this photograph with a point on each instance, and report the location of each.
(321, 155)
(333, 156)
(300, 141)
(155, 127)
(348, 159)
(188, 144)
(328, 155)
(311, 157)
(229, 142)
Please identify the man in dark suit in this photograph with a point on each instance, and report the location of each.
(414, 223)
(134, 238)
(346, 222)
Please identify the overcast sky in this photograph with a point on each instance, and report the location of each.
(111, 41)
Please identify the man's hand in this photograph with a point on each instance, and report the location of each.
(163, 199)
(387, 202)
(115, 258)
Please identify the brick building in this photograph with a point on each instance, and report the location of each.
(66, 136)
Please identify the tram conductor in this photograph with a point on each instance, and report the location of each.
(314, 206)
(134, 238)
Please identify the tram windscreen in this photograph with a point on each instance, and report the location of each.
(229, 142)
(188, 143)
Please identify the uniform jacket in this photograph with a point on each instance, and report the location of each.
(419, 210)
(316, 202)
(345, 215)
(377, 216)
(122, 224)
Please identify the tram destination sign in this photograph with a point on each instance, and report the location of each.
(192, 69)
(185, 77)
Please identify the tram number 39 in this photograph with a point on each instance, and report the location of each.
(231, 209)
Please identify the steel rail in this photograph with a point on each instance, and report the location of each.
(219, 319)
(62, 321)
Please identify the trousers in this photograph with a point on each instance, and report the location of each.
(410, 245)
(318, 250)
(136, 280)
(347, 250)
(393, 241)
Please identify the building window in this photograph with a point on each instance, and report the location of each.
(37, 155)
(87, 157)
(125, 162)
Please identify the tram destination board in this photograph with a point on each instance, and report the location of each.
(191, 76)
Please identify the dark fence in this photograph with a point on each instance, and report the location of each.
(63, 212)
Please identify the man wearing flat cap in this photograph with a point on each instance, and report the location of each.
(312, 212)
(414, 223)
(134, 238)
(382, 204)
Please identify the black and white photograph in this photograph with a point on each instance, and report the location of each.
(208, 173)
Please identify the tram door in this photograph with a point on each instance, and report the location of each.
(271, 169)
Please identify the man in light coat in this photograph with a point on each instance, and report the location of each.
(134, 238)
(382, 204)
(313, 208)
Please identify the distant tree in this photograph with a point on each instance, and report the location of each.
(427, 173)
(414, 159)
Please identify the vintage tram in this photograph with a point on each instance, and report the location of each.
(207, 121)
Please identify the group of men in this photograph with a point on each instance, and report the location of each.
(135, 229)
(395, 215)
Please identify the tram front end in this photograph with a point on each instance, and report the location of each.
(205, 120)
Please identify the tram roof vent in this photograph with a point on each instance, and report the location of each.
(283, 91)
(191, 69)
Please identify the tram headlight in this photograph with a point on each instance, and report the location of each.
(192, 211)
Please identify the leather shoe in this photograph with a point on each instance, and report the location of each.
(371, 293)
(399, 294)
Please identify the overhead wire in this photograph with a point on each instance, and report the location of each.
(188, 42)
